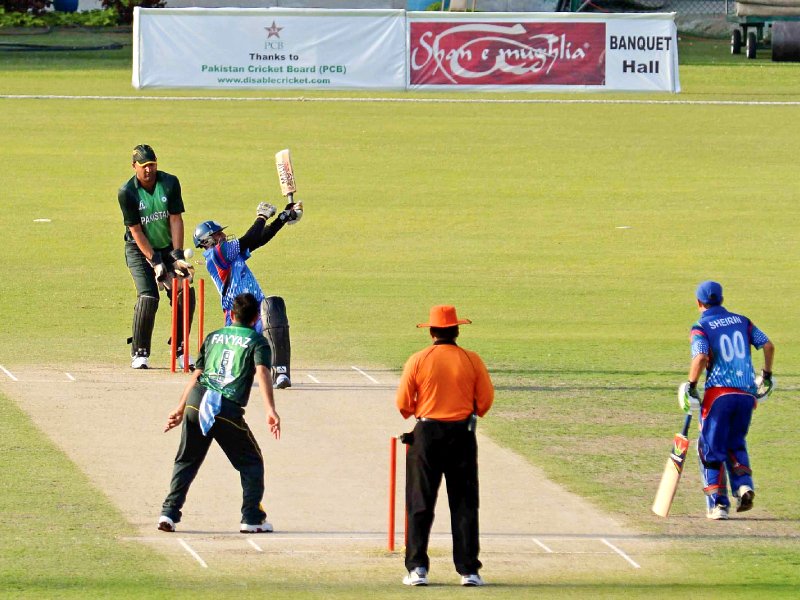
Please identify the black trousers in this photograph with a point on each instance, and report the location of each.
(449, 450)
(235, 438)
(144, 278)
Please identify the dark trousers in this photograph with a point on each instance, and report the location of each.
(449, 450)
(144, 278)
(235, 438)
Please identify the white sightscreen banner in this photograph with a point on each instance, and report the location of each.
(269, 48)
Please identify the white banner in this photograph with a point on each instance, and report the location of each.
(269, 48)
(642, 53)
(282, 48)
(543, 51)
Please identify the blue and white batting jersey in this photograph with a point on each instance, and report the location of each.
(726, 338)
(227, 267)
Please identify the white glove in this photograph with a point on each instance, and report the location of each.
(265, 210)
(160, 270)
(180, 266)
(292, 213)
(765, 385)
(183, 269)
(161, 274)
(297, 209)
(688, 397)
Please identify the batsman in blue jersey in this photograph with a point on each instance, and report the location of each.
(721, 342)
(226, 260)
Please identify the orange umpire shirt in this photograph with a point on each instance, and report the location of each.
(444, 382)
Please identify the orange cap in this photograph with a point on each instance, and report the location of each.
(444, 316)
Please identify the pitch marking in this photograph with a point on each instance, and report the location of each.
(254, 545)
(194, 554)
(7, 372)
(633, 563)
(542, 546)
(368, 376)
(70, 377)
(312, 378)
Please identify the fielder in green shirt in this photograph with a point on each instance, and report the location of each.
(212, 408)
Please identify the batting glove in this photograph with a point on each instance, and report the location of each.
(297, 209)
(688, 397)
(292, 213)
(266, 210)
(765, 385)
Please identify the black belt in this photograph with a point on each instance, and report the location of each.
(429, 420)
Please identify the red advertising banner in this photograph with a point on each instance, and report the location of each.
(507, 53)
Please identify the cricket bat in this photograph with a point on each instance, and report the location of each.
(283, 161)
(672, 471)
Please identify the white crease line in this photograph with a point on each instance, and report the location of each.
(406, 100)
(367, 375)
(312, 378)
(7, 372)
(542, 546)
(278, 537)
(70, 377)
(254, 545)
(633, 563)
(194, 554)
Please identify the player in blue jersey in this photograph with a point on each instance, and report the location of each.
(226, 263)
(721, 343)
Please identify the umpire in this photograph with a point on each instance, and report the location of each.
(446, 388)
(152, 210)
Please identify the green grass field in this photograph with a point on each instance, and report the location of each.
(573, 235)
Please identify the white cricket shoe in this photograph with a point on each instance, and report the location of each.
(418, 576)
(139, 361)
(179, 362)
(718, 513)
(263, 527)
(472, 580)
(282, 382)
(744, 498)
(166, 524)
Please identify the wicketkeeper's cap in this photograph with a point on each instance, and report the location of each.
(710, 293)
(144, 155)
(444, 316)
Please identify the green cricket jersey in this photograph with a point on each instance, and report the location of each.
(151, 211)
(228, 359)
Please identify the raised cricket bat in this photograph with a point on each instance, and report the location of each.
(283, 161)
(672, 471)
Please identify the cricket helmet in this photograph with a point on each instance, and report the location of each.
(203, 233)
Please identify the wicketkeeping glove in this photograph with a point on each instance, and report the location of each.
(160, 270)
(688, 397)
(266, 210)
(765, 385)
(180, 266)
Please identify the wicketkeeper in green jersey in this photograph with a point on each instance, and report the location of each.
(152, 210)
(212, 408)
